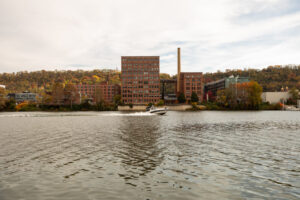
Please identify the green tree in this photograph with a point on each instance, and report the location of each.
(294, 95)
(181, 98)
(164, 76)
(194, 97)
(117, 99)
(71, 94)
(10, 105)
(254, 94)
(160, 103)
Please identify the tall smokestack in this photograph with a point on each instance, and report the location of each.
(178, 70)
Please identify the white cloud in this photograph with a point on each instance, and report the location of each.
(65, 34)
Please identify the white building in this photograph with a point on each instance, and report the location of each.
(275, 97)
(2, 86)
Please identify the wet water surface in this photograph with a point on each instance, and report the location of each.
(182, 155)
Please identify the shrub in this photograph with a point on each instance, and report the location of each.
(160, 103)
(194, 97)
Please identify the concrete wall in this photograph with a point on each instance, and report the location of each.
(143, 108)
(275, 97)
(134, 108)
(179, 107)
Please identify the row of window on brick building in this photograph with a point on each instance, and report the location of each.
(124, 73)
(140, 65)
(143, 77)
(140, 59)
(125, 82)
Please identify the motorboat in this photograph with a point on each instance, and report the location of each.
(158, 111)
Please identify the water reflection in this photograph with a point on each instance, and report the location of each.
(140, 151)
(182, 155)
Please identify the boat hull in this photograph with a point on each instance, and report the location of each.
(159, 112)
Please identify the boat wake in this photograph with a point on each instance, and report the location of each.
(128, 114)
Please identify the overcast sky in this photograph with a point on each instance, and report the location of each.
(94, 34)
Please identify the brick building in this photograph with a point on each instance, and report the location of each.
(104, 91)
(140, 79)
(191, 82)
(188, 82)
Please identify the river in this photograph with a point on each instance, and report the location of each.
(182, 155)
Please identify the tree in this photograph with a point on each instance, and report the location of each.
(99, 95)
(194, 97)
(181, 98)
(254, 94)
(46, 98)
(160, 103)
(58, 93)
(222, 98)
(2, 98)
(10, 105)
(71, 94)
(294, 95)
(241, 96)
(117, 99)
(164, 76)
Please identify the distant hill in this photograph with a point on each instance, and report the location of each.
(271, 78)
(43, 80)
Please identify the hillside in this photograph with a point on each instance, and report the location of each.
(271, 78)
(40, 80)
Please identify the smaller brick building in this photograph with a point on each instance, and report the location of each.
(103, 91)
(191, 82)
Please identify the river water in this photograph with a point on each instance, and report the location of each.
(182, 155)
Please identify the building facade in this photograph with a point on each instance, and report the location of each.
(140, 79)
(103, 91)
(21, 97)
(191, 82)
(211, 88)
(275, 97)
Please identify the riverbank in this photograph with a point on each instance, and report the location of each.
(113, 107)
(143, 108)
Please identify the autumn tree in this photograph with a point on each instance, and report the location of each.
(222, 98)
(99, 95)
(294, 95)
(58, 93)
(71, 94)
(2, 98)
(254, 94)
(241, 96)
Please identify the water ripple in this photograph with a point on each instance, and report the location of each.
(183, 155)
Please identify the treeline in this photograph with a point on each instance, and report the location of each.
(38, 81)
(272, 78)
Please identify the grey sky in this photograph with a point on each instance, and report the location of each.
(94, 34)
